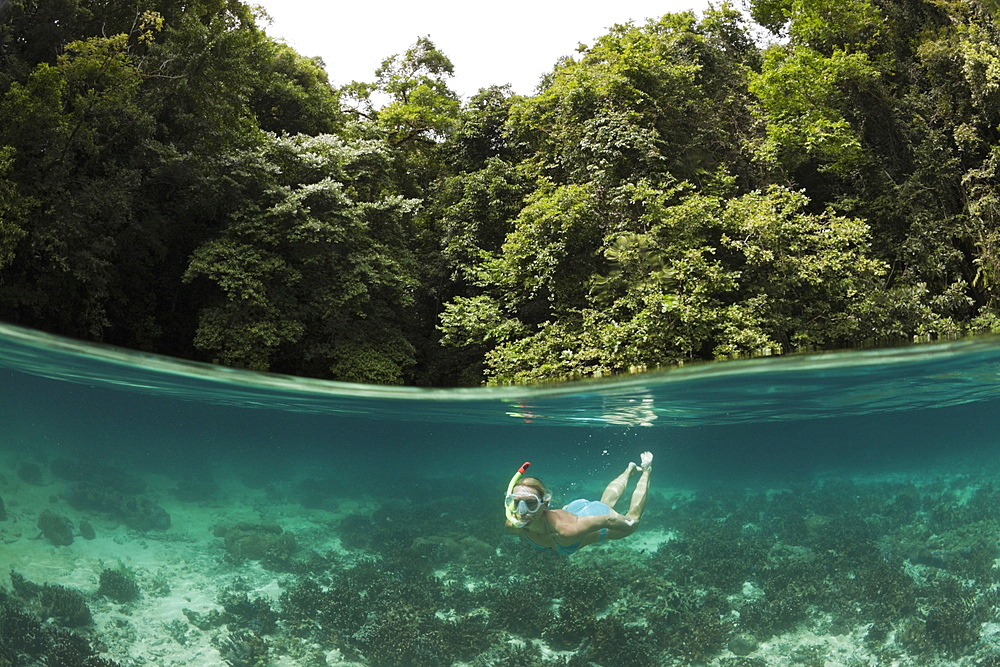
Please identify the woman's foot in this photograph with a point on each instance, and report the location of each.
(645, 460)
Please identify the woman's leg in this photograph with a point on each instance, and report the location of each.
(617, 486)
(638, 505)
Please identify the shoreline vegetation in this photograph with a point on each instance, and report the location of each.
(819, 175)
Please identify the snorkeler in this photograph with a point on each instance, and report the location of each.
(581, 522)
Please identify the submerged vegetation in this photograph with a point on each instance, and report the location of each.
(174, 180)
(888, 571)
(906, 571)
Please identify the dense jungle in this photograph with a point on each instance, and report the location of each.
(804, 175)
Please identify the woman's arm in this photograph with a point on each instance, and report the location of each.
(619, 524)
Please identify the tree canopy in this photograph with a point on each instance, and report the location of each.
(818, 175)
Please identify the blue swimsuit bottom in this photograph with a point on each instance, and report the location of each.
(580, 507)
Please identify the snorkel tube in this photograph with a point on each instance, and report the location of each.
(510, 487)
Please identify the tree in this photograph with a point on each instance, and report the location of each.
(661, 101)
(79, 136)
(314, 275)
(295, 96)
(11, 210)
(419, 106)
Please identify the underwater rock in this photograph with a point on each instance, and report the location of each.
(87, 530)
(137, 512)
(267, 542)
(57, 529)
(142, 514)
(102, 475)
(118, 585)
(30, 473)
(742, 644)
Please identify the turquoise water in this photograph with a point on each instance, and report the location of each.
(843, 434)
(888, 408)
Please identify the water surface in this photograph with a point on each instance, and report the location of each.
(915, 426)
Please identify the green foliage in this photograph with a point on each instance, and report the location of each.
(78, 136)
(295, 96)
(173, 179)
(644, 102)
(750, 275)
(807, 276)
(320, 259)
(420, 104)
(11, 231)
(802, 99)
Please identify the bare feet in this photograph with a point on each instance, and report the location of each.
(646, 460)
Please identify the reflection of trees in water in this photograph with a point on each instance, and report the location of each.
(629, 411)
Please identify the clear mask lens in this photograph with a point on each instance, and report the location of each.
(524, 504)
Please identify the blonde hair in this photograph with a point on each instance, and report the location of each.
(536, 485)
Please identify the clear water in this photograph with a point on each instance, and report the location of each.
(923, 412)
(887, 409)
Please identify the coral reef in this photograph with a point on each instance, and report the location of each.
(111, 491)
(263, 542)
(206, 621)
(511, 654)
(245, 649)
(65, 606)
(902, 572)
(25, 640)
(119, 585)
(30, 473)
(253, 614)
(328, 614)
(402, 636)
(135, 511)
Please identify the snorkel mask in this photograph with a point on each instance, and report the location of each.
(526, 504)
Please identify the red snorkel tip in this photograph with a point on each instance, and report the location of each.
(524, 466)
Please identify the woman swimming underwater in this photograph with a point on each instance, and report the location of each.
(581, 522)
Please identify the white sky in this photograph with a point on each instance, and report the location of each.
(510, 41)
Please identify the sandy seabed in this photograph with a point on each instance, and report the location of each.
(184, 571)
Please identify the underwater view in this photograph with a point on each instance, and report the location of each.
(832, 509)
